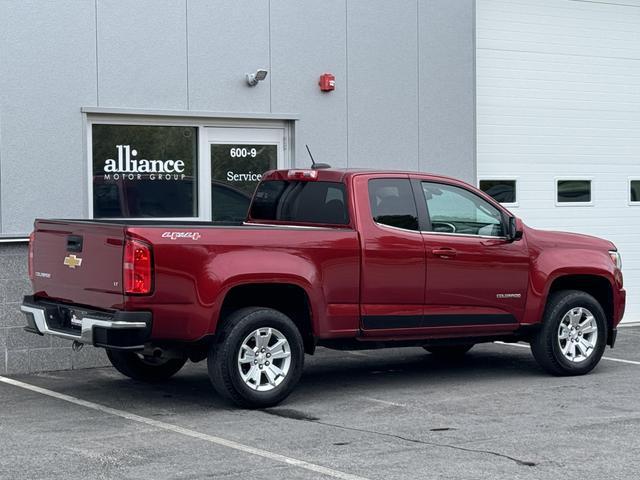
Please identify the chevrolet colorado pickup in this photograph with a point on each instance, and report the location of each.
(340, 258)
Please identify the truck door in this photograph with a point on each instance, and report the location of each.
(476, 278)
(393, 259)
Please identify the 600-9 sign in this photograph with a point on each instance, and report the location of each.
(239, 152)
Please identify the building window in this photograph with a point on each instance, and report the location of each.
(236, 170)
(634, 192)
(503, 191)
(144, 171)
(573, 191)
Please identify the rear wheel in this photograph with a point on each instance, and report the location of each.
(448, 351)
(573, 334)
(146, 369)
(258, 358)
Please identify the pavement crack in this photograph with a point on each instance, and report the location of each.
(300, 416)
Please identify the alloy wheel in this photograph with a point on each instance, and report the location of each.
(264, 359)
(578, 334)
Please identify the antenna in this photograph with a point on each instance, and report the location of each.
(314, 165)
(313, 162)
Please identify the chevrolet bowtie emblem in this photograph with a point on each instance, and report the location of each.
(72, 261)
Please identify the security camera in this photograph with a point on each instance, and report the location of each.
(254, 78)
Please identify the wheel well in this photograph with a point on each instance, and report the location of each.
(289, 299)
(597, 287)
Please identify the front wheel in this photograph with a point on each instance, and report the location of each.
(573, 334)
(258, 358)
(146, 369)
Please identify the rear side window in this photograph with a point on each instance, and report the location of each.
(392, 203)
(304, 202)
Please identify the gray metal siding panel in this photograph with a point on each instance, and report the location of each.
(48, 73)
(301, 52)
(142, 53)
(447, 88)
(383, 84)
(404, 73)
(228, 39)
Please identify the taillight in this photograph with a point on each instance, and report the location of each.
(302, 174)
(136, 269)
(31, 238)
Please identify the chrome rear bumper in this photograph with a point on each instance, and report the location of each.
(123, 330)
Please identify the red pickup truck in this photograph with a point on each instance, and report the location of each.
(345, 259)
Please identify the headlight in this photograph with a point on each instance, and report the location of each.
(616, 258)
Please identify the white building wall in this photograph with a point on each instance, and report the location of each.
(558, 85)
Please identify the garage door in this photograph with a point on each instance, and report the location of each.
(558, 85)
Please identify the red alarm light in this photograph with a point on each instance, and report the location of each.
(327, 82)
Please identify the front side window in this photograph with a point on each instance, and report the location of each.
(144, 171)
(303, 202)
(503, 191)
(392, 203)
(574, 191)
(457, 210)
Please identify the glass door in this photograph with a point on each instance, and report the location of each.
(237, 159)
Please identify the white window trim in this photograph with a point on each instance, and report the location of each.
(502, 178)
(201, 123)
(574, 179)
(629, 201)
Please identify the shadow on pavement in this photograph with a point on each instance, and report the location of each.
(369, 371)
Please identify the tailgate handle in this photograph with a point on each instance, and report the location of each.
(74, 243)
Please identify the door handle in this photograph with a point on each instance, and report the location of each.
(444, 252)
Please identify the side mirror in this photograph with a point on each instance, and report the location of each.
(515, 230)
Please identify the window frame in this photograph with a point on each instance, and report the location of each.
(498, 178)
(632, 203)
(497, 205)
(590, 203)
(201, 123)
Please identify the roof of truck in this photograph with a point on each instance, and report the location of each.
(342, 174)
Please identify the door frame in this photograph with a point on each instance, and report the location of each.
(506, 317)
(217, 135)
(201, 122)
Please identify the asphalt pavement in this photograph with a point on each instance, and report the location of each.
(381, 414)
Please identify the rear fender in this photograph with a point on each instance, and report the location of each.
(274, 268)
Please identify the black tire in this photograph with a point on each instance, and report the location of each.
(222, 362)
(147, 370)
(545, 344)
(449, 351)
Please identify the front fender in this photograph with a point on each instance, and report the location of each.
(551, 264)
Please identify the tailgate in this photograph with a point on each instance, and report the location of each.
(79, 262)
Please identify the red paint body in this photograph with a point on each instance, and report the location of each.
(348, 273)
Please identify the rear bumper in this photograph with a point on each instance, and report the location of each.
(117, 330)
